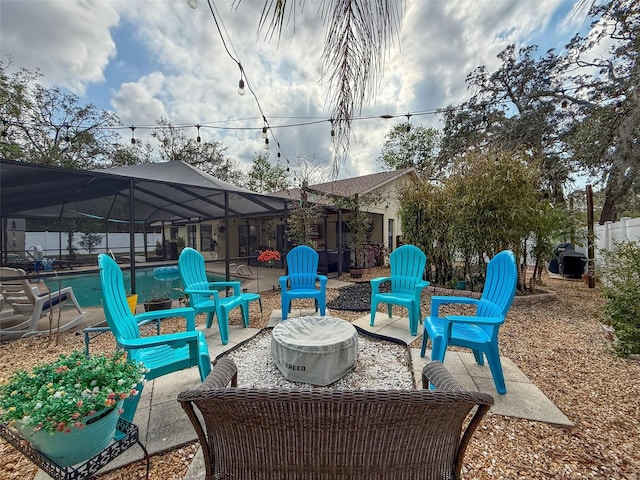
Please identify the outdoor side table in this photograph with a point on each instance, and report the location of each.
(86, 469)
(251, 297)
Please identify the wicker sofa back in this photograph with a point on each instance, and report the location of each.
(254, 433)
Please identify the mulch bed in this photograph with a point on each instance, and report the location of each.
(356, 297)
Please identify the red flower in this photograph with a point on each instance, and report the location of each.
(268, 255)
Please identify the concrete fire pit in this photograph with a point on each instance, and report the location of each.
(314, 350)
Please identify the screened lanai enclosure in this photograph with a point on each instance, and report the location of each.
(169, 193)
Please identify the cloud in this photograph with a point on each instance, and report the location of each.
(171, 62)
(69, 42)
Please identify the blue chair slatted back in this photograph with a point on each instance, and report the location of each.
(116, 309)
(194, 274)
(500, 286)
(302, 265)
(407, 267)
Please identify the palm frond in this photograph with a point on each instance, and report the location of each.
(358, 34)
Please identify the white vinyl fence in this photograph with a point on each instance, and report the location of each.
(626, 229)
(54, 244)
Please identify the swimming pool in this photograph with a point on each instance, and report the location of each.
(87, 290)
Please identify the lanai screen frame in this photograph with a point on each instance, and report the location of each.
(30, 190)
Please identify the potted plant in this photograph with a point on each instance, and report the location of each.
(157, 298)
(183, 299)
(68, 409)
(360, 222)
(268, 256)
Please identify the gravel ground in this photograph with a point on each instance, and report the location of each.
(559, 345)
(380, 365)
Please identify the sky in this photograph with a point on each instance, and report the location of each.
(147, 59)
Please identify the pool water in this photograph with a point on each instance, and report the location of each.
(87, 289)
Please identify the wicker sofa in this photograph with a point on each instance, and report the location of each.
(254, 433)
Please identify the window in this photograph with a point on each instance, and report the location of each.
(192, 236)
(247, 240)
(206, 232)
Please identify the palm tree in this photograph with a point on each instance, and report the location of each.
(358, 34)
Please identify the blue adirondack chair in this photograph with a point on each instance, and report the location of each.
(302, 268)
(161, 354)
(407, 267)
(204, 296)
(479, 332)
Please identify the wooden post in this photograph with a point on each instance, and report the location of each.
(590, 239)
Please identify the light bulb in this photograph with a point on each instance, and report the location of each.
(564, 104)
(193, 3)
(264, 132)
(241, 87)
(266, 144)
(333, 135)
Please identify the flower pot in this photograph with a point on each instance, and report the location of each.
(69, 448)
(163, 304)
(356, 272)
(460, 285)
(132, 300)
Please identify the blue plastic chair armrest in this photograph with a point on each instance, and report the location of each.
(187, 312)
(174, 340)
(234, 284)
(323, 280)
(470, 320)
(422, 284)
(442, 300)
(375, 282)
(206, 292)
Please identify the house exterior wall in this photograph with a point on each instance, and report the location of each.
(388, 209)
(327, 230)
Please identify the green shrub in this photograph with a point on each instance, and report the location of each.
(621, 289)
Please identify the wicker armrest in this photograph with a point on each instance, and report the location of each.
(440, 377)
(223, 372)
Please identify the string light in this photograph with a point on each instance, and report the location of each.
(333, 132)
(193, 3)
(133, 138)
(266, 144)
(66, 136)
(198, 139)
(564, 104)
(264, 132)
(241, 90)
(408, 122)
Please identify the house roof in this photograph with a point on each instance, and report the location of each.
(169, 191)
(349, 186)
